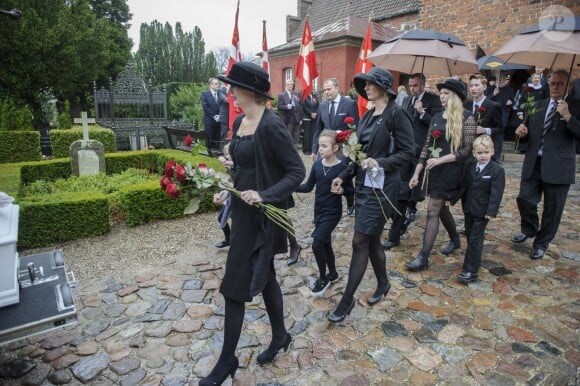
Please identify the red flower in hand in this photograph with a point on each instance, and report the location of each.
(169, 167)
(187, 141)
(481, 109)
(164, 182)
(349, 120)
(180, 173)
(436, 134)
(343, 136)
(528, 89)
(172, 190)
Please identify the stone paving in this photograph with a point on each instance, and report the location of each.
(517, 325)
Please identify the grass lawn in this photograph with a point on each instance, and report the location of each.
(10, 178)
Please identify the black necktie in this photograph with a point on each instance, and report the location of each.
(331, 114)
(477, 170)
(411, 108)
(215, 97)
(475, 107)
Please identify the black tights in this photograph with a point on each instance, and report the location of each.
(364, 247)
(234, 319)
(324, 257)
(436, 209)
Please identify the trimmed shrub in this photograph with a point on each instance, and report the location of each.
(18, 146)
(16, 116)
(62, 139)
(50, 170)
(61, 217)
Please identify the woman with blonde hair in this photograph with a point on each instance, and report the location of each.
(448, 144)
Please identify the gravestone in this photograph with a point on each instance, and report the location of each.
(87, 156)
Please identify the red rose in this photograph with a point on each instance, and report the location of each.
(528, 89)
(172, 190)
(349, 120)
(187, 140)
(481, 109)
(169, 166)
(164, 182)
(180, 173)
(343, 136)
(436, 134)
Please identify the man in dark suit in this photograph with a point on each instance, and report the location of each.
(484, 186)
(310, 111)
(552, 133)
(290, 110)
(487, 113)
(421, 106)
(332, 111)
(504, 96)
(210, 103)
(331, 115)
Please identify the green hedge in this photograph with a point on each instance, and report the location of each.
(18, 146)
(62, 217)
(62, 139)
(145, 202)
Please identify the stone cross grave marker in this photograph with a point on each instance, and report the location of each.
(87, 156)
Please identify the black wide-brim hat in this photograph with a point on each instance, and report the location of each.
(248, 76)
(455, 85)
(379, 76)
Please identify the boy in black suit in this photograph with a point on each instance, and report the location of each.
(484, 189)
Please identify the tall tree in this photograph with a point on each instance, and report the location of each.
(60, 46)
(169, 54)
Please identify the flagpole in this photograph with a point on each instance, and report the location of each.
(235, 56)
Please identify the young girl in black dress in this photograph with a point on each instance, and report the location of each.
(327, 207)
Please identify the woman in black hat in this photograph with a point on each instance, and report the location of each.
(382, 126)
(266, 168)
(448, 144)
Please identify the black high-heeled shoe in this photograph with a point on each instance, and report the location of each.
(337, 318)
(379, 293)
(294, 255)
(419, 263)
(271, 352)
(220, 373)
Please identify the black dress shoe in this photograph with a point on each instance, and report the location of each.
(350, 210)
(390, 244)
(537, 253)
(294, 255)
(222, 244)
(270, 353)
(467, 277)
(336, 317)
(379, 293)
(519, 238)
(449, 248)
(419, 263)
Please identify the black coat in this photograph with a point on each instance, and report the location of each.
(558, 157)
(490, 118)
(484, 191)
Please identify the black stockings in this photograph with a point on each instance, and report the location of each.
(324, 257)
(436, 209)
(234, 319)
(364, 247)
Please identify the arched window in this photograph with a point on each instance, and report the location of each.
(288, 74)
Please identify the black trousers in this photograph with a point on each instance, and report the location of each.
(531, 191)
(475, 230)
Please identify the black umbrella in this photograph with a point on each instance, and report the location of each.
(490, 62)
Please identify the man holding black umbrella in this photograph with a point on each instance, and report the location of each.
(552, 132)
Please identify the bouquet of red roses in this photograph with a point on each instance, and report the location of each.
(190, 180)
(195, 180)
